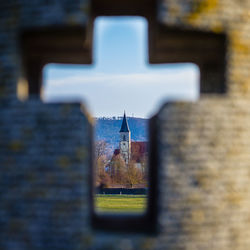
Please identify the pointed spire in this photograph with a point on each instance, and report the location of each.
(124, 127)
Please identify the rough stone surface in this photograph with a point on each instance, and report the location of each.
(44, 176)
(205, 172)
(203, 147)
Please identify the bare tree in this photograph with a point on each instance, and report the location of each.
(101, 148)
(144, 168)
(134, 175)
(117, 169)
(101, 161)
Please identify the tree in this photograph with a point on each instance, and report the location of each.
(101, 161)
(101, 148)
(144, 168)
(117, 169)
(133, 174)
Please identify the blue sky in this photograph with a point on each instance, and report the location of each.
(121, 78)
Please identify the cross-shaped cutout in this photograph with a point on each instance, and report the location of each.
(166, 45)
(121, 79)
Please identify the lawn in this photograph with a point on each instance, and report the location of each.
(120, 203)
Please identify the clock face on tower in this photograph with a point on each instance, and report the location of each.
(124, 145)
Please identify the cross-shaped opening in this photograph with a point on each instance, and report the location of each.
(121, 79)
(166, 45)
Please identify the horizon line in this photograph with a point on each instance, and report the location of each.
(120, 117)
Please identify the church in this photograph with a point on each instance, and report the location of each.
(134, 151)
(125, 140)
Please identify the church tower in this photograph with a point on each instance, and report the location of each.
(125, 141)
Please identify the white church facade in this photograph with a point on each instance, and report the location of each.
(125, 140)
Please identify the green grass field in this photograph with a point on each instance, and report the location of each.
(120, 203)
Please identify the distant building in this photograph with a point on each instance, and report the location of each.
(125, 140)
(135, 151)
(129, 159)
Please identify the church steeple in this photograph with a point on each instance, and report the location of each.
(125, 140)
(124, 127)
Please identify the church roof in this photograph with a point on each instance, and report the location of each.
(139, 150)
(124, 127)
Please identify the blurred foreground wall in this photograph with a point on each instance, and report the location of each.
(203, 147)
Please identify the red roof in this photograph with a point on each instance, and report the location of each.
(117, 151)
(138, 150)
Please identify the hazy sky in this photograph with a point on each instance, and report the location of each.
(121, 78)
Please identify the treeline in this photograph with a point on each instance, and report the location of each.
(110, 118)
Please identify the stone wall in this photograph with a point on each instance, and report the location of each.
(227, 16)
(203, 148)
(205, 170)
(44, 176)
